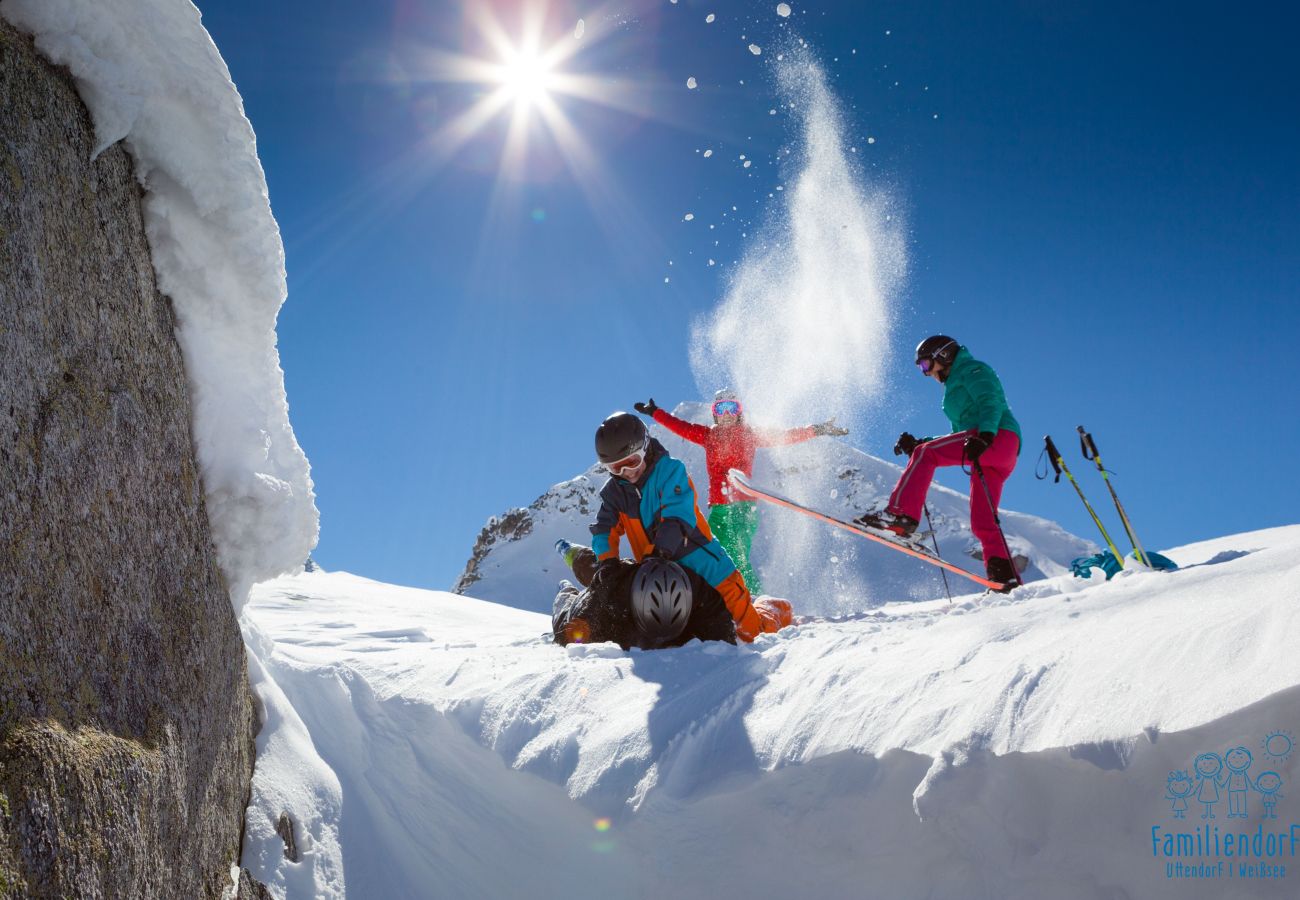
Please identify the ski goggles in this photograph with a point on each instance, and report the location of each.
(925, 365)
(726, 408)
(631, 462)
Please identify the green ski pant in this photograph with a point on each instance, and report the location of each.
(734, 524)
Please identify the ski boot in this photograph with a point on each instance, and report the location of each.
(884, 520)
(1001, 569)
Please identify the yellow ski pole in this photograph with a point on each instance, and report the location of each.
(1058, 463)
(1089, 448)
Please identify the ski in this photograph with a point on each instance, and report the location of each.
(743, 484)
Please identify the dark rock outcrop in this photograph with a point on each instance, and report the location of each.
(284, 828)
(126, 722)
(511, 526)
(577, 497)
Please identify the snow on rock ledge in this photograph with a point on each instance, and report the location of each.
(152, 78)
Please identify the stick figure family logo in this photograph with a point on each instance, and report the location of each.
(1233, 850)
(1211, 776)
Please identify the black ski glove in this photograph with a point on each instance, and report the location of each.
(646, 409)
(907, 442)
(976, 444)
(829, 429)
(584, 566)
(604, 570)
(670, 539)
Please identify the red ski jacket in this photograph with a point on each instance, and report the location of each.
(728, 447)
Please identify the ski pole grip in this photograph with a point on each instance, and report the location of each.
(1053, 455)
(1087, 445)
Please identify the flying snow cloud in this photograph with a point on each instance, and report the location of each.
(804, 329)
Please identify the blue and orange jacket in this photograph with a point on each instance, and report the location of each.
(660, 511)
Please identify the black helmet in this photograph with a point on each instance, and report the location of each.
(938, 347)
(619, 436)
(661, 599)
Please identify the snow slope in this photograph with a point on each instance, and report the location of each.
(823, 570)
(1012, 746)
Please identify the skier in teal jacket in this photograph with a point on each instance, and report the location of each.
(985, 434)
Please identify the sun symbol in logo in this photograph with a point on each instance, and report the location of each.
(1278, 745)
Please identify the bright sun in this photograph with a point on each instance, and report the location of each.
(527, 76)
(530, 79)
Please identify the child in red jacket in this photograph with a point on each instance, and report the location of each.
(729, 444)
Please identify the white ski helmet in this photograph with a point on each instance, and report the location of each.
(661, 600)
(728, 399)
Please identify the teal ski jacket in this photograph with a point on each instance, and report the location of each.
(973, 397)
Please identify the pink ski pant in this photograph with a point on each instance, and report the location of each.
(998, 461)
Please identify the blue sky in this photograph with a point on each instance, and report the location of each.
(1102, 200)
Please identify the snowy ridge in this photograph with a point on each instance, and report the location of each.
(151, 76)
(929, 749)
(822, 570)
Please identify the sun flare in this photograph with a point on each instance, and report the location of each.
(527, 76)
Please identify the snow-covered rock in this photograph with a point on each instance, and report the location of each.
(152, 79)
(126, 720)
(141, 729)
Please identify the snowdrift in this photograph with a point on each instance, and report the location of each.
(822, 569)
(1017, 746)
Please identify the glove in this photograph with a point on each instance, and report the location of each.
(773, 612)
(605, 570)
(906, 443)
(584, 566)
(646, 409)
(829, 428)
(976, 444)
(670, 539)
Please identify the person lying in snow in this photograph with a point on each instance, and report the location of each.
(730, 443)
(985, 433)
(649, 604)
(650, 499)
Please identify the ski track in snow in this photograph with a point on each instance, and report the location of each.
(923, 718)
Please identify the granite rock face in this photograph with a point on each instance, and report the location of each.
(126, 722)
(511, 526)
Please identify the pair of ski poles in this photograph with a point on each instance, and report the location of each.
(1089, 448)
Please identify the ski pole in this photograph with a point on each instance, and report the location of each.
(1058, 463)
(1089, 448)
(929, 523)
(988, 495)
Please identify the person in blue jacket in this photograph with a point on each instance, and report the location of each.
(650, 500)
